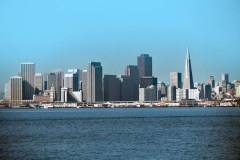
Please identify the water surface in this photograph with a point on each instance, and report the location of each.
(120, 133)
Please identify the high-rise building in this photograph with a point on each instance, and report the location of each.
(54, 79)
(111, 88)
(38, 83)
(126, 88)
(27, 74)
(79, 73)
(71, 81)
(144, 65)
(176, 79)
(162, 90)
(188, 78)
(194, 94)
(148, 94)
(94, 82)
(133, 73)
(181, 94)
(16, 90)
(171, 93)
(7, 94)
(225, 77)
(207, 91)
(84, 85)
(211, 81)
(148, 81)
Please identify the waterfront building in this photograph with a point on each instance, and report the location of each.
(38, 83)
(176, 79)
(148, 94)
(111, 88)
(27, 74)
(16, 85)
(64, 94)
(133, 72)
(144, 65)
(94, 82)
(126, 88)
(7, 94)
(84, 85)
(188, 78)
(171, 93)
(194, 94)
(238, 91)
(181, 94)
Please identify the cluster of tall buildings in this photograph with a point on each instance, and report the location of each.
(90, 85)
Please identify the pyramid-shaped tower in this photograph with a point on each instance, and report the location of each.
(188, 78)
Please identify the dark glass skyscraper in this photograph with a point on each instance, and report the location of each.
(111, 88)
(133, 73)
(144, 65)
(188, 78)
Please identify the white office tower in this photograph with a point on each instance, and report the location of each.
(194, 94)
(181, 94)
(238, 91)
(7, 90)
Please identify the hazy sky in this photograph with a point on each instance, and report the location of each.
(69, 34)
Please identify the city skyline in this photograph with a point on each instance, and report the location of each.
(75, 33)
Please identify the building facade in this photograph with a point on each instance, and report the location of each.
(176, 79)
(133, 72)
(94, 82)
(144, 65)
(38, 83)
(27, 74)
(111, 88)
(188, 78)
(16, 90)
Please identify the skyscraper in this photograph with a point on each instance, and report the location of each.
(211, 81)
(27, 74)
(133, 73)
(176, 79)
(7, 94)
(225, 77)
(126, 88)
(38, 83)
(84, 85)
(188, 78)
(16, 90)
(94, 82)
(71, 81)
(144, 65)
(55, 79)
(111, 88)
(171, 93)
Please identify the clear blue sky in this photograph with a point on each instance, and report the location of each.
(69, 34)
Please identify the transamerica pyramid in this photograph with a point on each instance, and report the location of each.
(188, 79)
